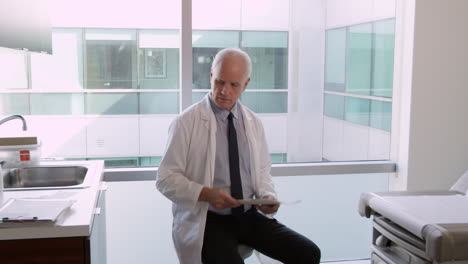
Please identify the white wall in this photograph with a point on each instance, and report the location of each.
(347, 12)
(434, 125)
(115, 14)
(306, 71)
(276, 126)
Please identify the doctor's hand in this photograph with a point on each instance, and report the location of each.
(268, 208)
(218, 198)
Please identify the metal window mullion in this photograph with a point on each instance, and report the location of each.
(374, 98)
(85, 74)
(29, 80)
(185, 55)
(346, 71)
(371, 81)
(85, 87)
(85, 61)
(137, 49)
(137, 52)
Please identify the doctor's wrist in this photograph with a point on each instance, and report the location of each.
(204, 194)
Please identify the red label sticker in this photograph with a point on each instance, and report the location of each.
(24, 155)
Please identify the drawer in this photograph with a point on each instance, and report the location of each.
(399, 238)
(375, 259)
(394, 254)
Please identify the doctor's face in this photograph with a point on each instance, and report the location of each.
(228, 81)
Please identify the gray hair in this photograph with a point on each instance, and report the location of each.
(232, 52)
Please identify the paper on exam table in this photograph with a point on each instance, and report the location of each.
(267, 202)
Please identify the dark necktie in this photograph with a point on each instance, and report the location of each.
(234, 170)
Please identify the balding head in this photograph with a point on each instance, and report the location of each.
(229, 77)
(232, 54)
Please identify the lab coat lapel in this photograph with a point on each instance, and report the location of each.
(248, 124)
(209, 122)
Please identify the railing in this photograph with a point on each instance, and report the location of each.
(140, 218)
(288, 169)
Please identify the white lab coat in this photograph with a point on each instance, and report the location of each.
(188, 165)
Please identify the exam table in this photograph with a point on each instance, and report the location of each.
(419, 227)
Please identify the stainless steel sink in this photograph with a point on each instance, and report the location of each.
(45, 177)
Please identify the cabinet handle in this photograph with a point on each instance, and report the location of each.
(97, 211)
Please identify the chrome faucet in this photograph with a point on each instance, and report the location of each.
(4, 120)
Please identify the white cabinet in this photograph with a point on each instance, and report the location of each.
(98, 247)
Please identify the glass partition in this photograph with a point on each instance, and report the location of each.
(358, 91)
(335, 60)
(327, 214)
(110, 59)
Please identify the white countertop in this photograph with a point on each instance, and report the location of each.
(75, 221)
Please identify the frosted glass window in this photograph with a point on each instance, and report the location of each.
(63, 70)
(13, 69)
(111, 103)
(270, 61)
(279, 157)
(202, 59)
(381, 115)
(14, 104)
(359, 61)
(57, 104)
(384, 42)
(159, 59)
(159, 68)
(335, 60)
(110, 59)
(269, 68)
(259, 102)
(357, 110)
(158, 38)
(121, 162)
(266, 102)
(197, 96)
(150, 161)
(338, 241)
(264, 39)
(159, 103)
(334, 106)
(205, 46)
(215, 39)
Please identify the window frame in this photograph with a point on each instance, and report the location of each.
(185, 94)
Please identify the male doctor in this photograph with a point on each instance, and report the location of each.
(216, 156)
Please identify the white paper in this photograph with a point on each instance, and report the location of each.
(266, 202)
(33, 209)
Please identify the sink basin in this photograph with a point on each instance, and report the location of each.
(45, 177)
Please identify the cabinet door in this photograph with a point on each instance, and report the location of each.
(98, 247)
(70, 250)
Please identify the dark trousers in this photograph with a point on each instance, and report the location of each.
(223, 233)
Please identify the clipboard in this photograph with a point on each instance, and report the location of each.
(32, 211)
